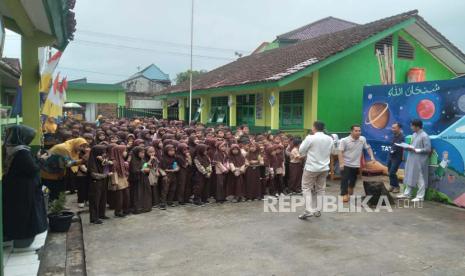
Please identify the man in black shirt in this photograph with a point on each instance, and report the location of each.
(395, 157)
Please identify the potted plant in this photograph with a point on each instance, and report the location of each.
(59, 220)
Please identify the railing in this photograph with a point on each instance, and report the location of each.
(128, 112)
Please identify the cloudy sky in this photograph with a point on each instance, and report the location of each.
(116, 37)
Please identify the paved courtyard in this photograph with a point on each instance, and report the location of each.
(241, 239)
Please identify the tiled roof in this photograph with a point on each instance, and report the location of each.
(278, 63)
(323, 26)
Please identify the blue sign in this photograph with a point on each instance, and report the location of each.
(441, 107)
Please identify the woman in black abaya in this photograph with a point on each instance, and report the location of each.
(24, 214)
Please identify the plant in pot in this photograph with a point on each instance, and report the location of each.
(59, 220)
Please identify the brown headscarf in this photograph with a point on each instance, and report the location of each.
(237, 159)
(118, 160)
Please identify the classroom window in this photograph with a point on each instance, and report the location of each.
(195, 110)
(219, 113)
(291, 109)
(245, 110)
(404, 49)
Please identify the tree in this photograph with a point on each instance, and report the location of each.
(184, 76)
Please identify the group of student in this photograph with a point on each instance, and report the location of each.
(135, 165)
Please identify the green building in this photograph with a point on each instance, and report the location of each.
(322, 77)
(96, 98)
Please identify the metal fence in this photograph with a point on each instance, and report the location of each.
(127, 112)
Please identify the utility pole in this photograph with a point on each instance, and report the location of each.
(190, 72)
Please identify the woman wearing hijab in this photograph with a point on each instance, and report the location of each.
(170, 166)
(24, 214)
(50, 127)
(202, 173)
(252, 174)
(139, 184)
(237, 166)
(119, 182)
(99, 172)
(221, 170)
(185, 164)
(58, 158)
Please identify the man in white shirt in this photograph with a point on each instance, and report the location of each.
(317, 148)
(350, 154)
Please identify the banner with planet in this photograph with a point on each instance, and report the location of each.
(441, 107)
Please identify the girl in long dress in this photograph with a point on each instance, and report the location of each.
(253, 161)
(185, 165)
(99, 172)
(237, 166)
(139, 182)
(120, 184)
(221, 170)
(295, 166)
(170, 167)
(202, 172)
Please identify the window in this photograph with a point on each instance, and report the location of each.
(380, 44)
(195, 110)
(245, 110)
(291, 109)
(404, 49)
(219, 113)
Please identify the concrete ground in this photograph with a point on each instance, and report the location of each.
(241, 239)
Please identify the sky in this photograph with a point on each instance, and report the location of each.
(117, 38)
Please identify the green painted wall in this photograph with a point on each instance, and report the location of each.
(96, 93)
(341, 83)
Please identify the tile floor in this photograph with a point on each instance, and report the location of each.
(23, 262)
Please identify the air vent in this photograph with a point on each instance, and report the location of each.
(405, 50)
(385, 41)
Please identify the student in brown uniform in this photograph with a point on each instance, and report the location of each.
(237, 166)
(119, 182)
(202, 172)
(221, 170)
(99, 175)
(185, 164)
(252, 174)
(170, 167)
(295, 165)
(139, 182)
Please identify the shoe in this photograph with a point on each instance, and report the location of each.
(162, 207)
(97, 222)
(172, 204)
(395, 190)
(317, 214)
(417, 199)
(401, 196)
(282, 195)
(81, 205)
(345, 198)
(350, 190)
(104, 217)
(305, 215)
(120, 215)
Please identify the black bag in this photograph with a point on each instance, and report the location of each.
(376, 189)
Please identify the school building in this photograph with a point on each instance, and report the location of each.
(314, 72)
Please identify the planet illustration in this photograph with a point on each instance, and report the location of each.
(378, 115)
(426, 109)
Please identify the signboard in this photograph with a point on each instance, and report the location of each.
(441, 107)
